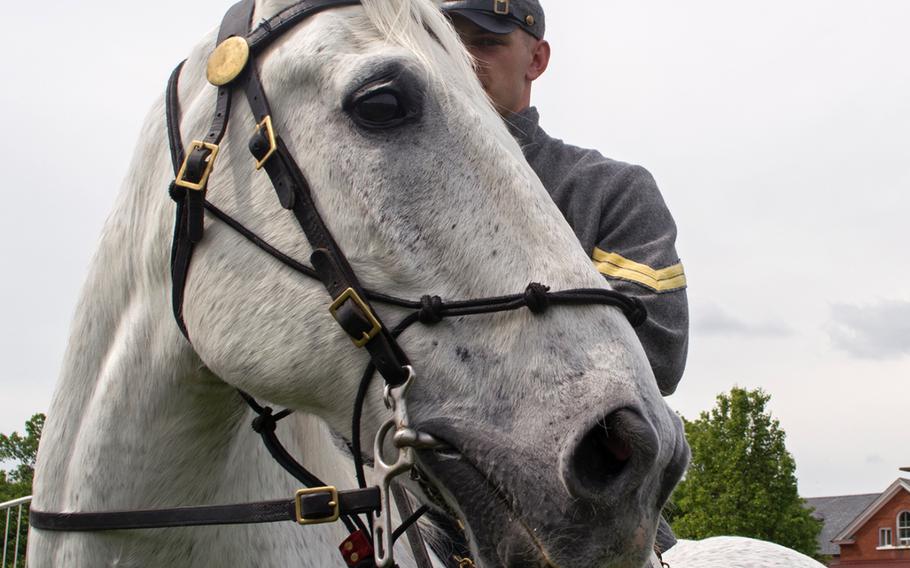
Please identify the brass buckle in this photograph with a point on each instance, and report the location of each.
(333, 494)
(197, 145)
(273, 144)
(352, 295)
(501, 7)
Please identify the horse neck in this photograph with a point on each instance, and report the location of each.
(121, 354)
(138, 422)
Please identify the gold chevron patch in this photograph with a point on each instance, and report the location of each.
(616, 266)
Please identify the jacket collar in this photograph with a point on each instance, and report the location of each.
(524, 126)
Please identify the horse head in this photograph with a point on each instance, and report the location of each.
(556, 448)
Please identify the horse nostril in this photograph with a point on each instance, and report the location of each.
(600, 462)
(601, 455)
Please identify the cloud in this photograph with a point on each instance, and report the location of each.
(880, 331)
(713, 320)
(874, 459)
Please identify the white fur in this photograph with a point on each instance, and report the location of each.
(143, 419)
(735, 552)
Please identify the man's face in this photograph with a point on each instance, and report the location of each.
(503, 61)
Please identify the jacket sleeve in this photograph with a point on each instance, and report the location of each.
(636, 252)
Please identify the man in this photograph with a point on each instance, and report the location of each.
(616, 210)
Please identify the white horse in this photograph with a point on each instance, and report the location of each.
(562, 450)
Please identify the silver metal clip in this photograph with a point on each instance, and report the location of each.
(404, 461)
(406, 441)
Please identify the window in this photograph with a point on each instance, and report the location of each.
(903, 528)
(884, 537)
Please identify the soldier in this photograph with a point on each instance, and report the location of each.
(615, 209)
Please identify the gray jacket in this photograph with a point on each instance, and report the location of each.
(622, 222)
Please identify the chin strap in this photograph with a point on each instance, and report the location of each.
(319, 505)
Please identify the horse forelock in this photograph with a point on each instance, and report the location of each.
(420, 28)
(404, 22)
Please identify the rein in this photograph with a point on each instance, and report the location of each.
(232, 68)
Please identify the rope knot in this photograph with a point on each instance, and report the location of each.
(536, 297)
(265, 422)
(430, 310)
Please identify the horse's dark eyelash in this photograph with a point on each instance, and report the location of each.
(375, 85)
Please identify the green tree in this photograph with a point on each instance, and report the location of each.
(22, 451)
(742, 478)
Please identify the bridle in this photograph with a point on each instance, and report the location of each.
(232, 67)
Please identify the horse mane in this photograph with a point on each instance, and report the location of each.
(411, 24)
(415, 26)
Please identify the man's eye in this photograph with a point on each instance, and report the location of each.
(486, 42)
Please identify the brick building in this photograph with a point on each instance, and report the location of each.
(866, 531)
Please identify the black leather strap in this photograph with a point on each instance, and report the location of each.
(190, 214)
(271, 29)
(415, 537)
(181, 248)
(172, 115)
(314, 506)
(328, 260)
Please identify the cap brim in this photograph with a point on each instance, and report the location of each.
(491, 23)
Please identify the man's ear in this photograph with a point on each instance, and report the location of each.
(540, 59)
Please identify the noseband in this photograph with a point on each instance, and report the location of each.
(232, 68)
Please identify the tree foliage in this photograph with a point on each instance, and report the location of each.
(21, 450)
(742, 478)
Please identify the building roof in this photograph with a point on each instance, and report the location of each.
(845, 536)
(837, 513)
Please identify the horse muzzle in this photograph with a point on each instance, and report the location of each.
(595, 496)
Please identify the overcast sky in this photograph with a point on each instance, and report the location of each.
(778, 132)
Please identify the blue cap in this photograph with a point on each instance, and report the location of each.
(500, 16)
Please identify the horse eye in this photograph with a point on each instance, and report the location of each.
(382, 109)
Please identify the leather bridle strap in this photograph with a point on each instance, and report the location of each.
(409, 526)
(306, 508)
(351, 308)
(189, 217)
(271, 29)
(191, 171)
